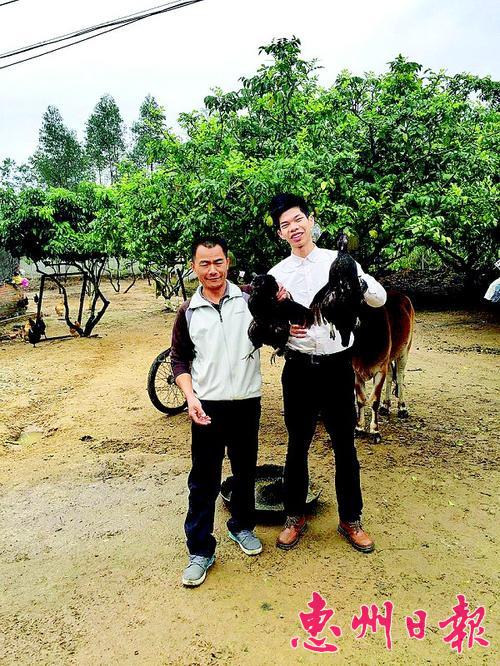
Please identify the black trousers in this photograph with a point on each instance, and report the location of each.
(308, 388)
(235, 425)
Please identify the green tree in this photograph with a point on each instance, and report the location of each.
(268, 111)
(104, 139)
(406, 160)
(153, 219)
(8, 170)
(380, 156)
(14, 176)
(58, 160)
(59, 226)
(148, 132)
(420, 156)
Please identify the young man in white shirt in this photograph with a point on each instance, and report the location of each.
(317, 377)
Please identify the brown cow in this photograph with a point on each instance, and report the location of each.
(382, 340)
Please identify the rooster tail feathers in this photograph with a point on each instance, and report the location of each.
(317, 303)
(317, 316)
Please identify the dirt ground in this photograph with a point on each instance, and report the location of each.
(93, 496)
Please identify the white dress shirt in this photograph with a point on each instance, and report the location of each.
(303, 278)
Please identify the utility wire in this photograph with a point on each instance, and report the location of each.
(83, 31)
(98, 29)
(65, 46)
(2, 4)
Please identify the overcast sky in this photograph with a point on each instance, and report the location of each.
(179, 56)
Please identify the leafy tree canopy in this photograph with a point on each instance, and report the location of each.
(148, 132)
(14, 176)
(105, 139)
(402, 160)
(58, 160)
(58, 224)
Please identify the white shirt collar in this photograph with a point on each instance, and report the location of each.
(312, 257)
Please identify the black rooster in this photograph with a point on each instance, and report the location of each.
(36, 329)
(339, 301)
(272, 318)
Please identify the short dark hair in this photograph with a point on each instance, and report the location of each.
(208, 241)
(283, 202)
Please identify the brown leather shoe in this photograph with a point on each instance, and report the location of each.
(357, 537)
(295, 526)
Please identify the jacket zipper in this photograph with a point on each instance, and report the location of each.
(227, 349)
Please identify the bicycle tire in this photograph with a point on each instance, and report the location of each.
(163, 392)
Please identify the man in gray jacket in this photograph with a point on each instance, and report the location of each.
(212, 365)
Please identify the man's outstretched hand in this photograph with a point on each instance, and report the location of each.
(196, 413)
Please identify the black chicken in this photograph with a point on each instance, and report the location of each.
(36, 330)
(272, 318)
(339, 301)
(42, 327)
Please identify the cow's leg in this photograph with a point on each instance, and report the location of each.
(378, 383)
(385, 408)
(400, 379)
(360, 403)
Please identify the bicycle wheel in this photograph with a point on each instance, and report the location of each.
(163, 392)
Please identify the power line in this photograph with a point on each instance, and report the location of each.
(9, 2)
(98, 30)
(82, 31)
(66, 46)
(119, 22)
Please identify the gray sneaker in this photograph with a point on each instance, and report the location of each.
(196, 571)
(247, 541)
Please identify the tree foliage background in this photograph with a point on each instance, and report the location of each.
(405, 161)
(59, 160)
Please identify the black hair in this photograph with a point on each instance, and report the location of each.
(283, 202)
(208, 241)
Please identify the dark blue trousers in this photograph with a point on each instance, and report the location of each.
(235, 426)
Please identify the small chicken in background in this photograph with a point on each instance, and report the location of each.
(33, 330)
(59, 308)
(272, 318)
(25, 330)
(22, 303)
(339, 301)
(74, 329)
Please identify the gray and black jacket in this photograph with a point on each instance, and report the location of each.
(211, 343)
